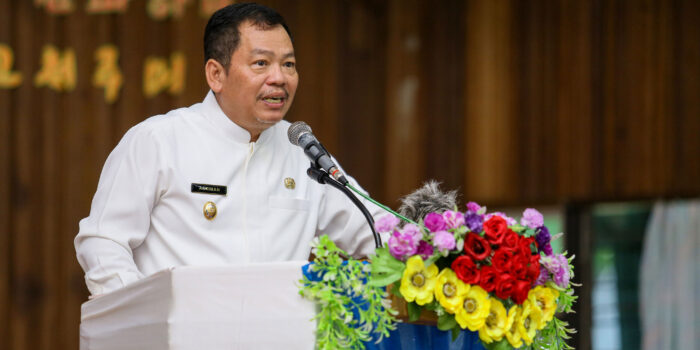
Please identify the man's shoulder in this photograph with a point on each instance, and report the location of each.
(180, 118)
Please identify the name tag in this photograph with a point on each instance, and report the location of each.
(211, 189)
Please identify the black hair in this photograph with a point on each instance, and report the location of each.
(222, 34)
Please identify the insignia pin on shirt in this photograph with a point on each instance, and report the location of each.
(289, 183)
(209, 210)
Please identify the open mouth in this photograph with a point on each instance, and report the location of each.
(273, 100)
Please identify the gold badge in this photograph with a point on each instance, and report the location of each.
(289, 183)
(209, 210)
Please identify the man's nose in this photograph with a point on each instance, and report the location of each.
(276, 76)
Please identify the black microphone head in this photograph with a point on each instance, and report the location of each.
(296, 130)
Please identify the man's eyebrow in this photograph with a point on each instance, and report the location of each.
(270, 53)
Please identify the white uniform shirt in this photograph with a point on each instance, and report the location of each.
(145, 217)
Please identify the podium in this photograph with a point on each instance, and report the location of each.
(255, 306)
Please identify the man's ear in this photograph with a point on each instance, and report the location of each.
(215, 73)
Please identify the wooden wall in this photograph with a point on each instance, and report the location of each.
(512, 102)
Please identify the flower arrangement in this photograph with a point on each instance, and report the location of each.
(480, 271)
(351, 312)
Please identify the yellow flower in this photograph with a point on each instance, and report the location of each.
(472, 312)
(544, 299)
(496, 323)
(512, 333)
(450, 290)
(528, 321)
(418, 282)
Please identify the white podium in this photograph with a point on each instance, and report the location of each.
(204, 308)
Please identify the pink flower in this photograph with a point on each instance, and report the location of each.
(434, 222)
(543, 277)
(473, 207)
(453, 219)
(444, 241)
(425, 250)
(403, 245)
(412, 229)
(532, 218)
(386, 223)
(558, 266)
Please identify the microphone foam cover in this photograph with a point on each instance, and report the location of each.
(295, 130)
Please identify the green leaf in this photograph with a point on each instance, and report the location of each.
(499, 345)
(383, 279)
(413, 311)
(455, 332)
(446, 322)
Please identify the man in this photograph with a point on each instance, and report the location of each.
(216, 183)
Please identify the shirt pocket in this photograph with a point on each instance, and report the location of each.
(289, 203)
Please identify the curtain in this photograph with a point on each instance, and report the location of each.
(670, 277)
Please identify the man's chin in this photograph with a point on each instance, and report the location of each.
(269, 120)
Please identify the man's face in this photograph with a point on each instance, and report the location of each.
(259, 86)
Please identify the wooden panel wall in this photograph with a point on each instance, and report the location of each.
(513, 102)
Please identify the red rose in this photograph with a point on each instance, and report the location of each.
(533, 270)
(501, 260)
(476, 246)
(511, 239)
(465, 269)
(487, 281)
(520, 291)
(519, 268)
(494, 229)
(525, 245)
(505, 286)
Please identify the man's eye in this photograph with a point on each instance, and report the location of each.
(289, 64)
(260, 63)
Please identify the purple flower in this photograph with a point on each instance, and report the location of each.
(444, 240)
(403, 245)
(473, 207)
(425, 250)
(547, 249)
(434, 222)
(453, 219)
(386, 223)
(543, 238)
(474, 221)
(558, 266)
(532, 218)
(510, 221)
(544, 276)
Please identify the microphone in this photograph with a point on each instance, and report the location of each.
(299, 134)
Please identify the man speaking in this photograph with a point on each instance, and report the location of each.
(216, 183)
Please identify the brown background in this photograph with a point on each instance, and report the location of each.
(513, 102)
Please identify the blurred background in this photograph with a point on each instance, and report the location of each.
(586, 110)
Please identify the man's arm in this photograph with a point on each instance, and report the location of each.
(120, 213)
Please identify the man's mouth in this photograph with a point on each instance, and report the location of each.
(273, 99)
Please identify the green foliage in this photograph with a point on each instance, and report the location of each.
(553, 336)
(557, 332)
(342, 291)
(498, 345)
(385, 268)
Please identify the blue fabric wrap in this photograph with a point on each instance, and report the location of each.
(414, 336)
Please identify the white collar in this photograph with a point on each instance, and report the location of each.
(212, 112)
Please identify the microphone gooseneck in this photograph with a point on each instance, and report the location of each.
(323, 178)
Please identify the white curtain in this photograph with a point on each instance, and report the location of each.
(670, 277)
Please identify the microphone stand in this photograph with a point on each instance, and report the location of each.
(322, 177)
